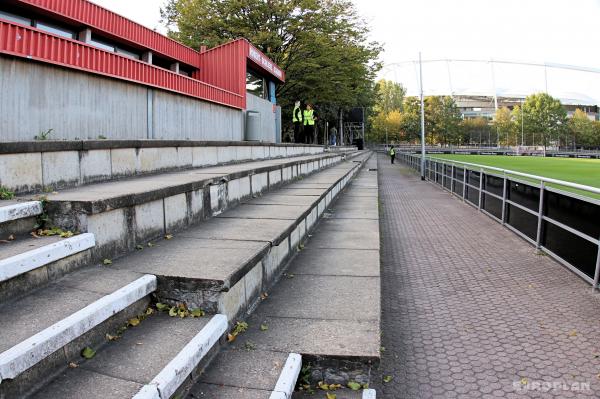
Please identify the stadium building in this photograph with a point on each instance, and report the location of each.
(83, 72)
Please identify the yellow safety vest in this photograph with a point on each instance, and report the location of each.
(392, 152)
(308, 117)
(299, 117)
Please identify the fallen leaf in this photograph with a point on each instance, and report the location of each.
(387, 378)
(264, 327)
(365, 386)
(330, 395)
(197, 312)
(34, 235)
(523, 381)
(73, 365)
(11, 237)
(149, 311)
(139, 247)
(355, 386)
(88, 352)
(139, 343)
(134, 322)
(573, 333)
(264, 296)
(66, 234)
(150, 244)
(107, 262)
(168, 236)
(231, 337)
(110, 337)
(162, 306)
(173, 311)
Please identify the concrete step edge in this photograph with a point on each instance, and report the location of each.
(29, 352)
(35, 258)
(20, 210)
(288, 377)
(174, 374)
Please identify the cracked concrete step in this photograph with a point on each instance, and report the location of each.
(44, 330)
(249, 374)
(18, 216)
(153, 360)
(224, 264)
(127, 212)
(27, 258)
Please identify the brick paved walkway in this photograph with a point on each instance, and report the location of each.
(470, 310)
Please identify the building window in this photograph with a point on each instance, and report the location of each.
(55, 30)
(127, 53)
(255, 84)
(15, 18)
(101, 44)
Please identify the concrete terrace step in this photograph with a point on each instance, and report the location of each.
(45, 330)
(152, 360)
(223, 264)
(125, 213)
(26, 254)
(328, 307)
(249, 374)
(18, 217)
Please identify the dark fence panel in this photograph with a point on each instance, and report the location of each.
(524, 194)
(492, 205)
(472, 195)
(581, 215)
(570, 247)
(493, 184)
(523, 221)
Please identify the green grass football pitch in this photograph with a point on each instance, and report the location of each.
(576, 170)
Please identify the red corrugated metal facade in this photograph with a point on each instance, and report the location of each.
(220, 74)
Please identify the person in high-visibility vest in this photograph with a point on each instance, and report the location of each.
(309, 123)
(392, 153)
(298, 123)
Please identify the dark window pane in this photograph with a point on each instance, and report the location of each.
(493, 184)
(493, 205)
(255, 84)
(472, 195)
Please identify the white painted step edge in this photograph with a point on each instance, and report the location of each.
(20, 210)
(368, 394)
(29, 352)
(166, 383)
(288, 377)
(30, 260)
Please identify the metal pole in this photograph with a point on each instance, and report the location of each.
(494, 84)
(540, 216)
(522, 124)
(597, 272)
(480, 189)
(422, 119)
(504, 199)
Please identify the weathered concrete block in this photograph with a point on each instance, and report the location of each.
(259, 152)
(253, 281)
(321, 207)
(95, 166)
(295, 238)
(204, 156)
(311, 218)
(287, 174)
(155, 159)
(274, 178)
(176, 212)
(232, 302)
(243, 153)
(21, 172)
(218, 197)
(149, 220)
(244, 189)
(110, 228)
(260, 183)
(124, 161)
(225, 154)
(184, 157)
(274, 260)
(233, 190)
(196, 206)
(60, 168)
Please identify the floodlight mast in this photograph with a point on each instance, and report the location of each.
(422, 119)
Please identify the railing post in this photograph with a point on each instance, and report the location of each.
(597, 272)
(480, 189)
(504, 199)
(540, 216)
(452, 182)
(443, 175)
(464, 182)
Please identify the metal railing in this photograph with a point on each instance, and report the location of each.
(562, 224)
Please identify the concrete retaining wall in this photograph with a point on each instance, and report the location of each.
(37, 97)
(267, 116)
(47, 166)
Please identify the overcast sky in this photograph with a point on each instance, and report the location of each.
(555, 31)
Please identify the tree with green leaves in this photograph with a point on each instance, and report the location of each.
(323, 46)
(410, 120)
(544, 118)
(389, 99)
(581, 130)
(442, 120)
(505, 126)
(476, 131)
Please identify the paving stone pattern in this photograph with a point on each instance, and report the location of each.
(470, 310)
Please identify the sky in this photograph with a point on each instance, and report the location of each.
(539, 31)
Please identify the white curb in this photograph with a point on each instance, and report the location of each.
(368, 394)
(29, 352)
(30, 260)
(20, 210)
(288, 377)
(166, 383)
